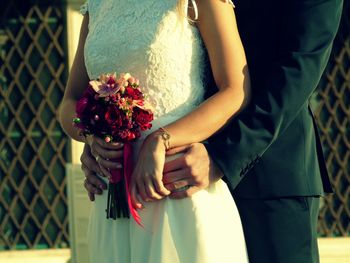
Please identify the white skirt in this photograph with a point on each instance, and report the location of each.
(205, 228)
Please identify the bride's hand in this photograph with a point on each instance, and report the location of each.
(108, 155)
(146, 180)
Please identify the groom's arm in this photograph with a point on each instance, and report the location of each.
(309, 28)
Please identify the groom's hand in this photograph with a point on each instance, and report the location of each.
(192, 171)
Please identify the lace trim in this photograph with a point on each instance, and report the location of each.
(195, 8)
(84, 8)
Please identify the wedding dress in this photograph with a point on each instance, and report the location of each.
(149, 40)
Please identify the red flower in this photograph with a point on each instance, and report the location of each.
(143, 118)
(89, 92)
(133, 93)
(111, 80)
(131, 136)
(114, 117)
(81, 106)
(86, 103)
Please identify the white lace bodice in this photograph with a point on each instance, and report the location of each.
(150, 41)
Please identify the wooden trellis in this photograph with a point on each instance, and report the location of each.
(33, 148)
(332, 104)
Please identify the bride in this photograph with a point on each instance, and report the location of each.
(166, 44)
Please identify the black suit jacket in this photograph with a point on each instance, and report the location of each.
(271, 149)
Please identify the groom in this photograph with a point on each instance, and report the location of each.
(270, 155)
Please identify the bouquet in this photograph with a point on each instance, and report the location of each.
(115, 110)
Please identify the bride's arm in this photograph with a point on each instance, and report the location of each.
(217, 25)
(77, 83)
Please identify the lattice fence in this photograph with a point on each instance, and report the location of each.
(332, 105)
(33, 148)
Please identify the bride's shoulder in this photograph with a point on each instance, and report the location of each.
(194, 11)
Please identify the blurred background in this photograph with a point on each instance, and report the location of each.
(43, 206)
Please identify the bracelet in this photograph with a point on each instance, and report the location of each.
(166, 137)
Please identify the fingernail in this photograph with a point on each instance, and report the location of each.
(118, 166)
(117, 144)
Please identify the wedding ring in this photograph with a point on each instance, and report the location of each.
(184, 188)
(97, 158)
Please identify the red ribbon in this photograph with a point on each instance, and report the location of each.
(117, 176)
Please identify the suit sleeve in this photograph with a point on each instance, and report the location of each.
(307, 33)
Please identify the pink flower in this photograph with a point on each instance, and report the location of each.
(131, 80)
(106, 85)
(123, 80)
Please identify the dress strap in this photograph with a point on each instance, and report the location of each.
(230, 2)
(195, 8)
